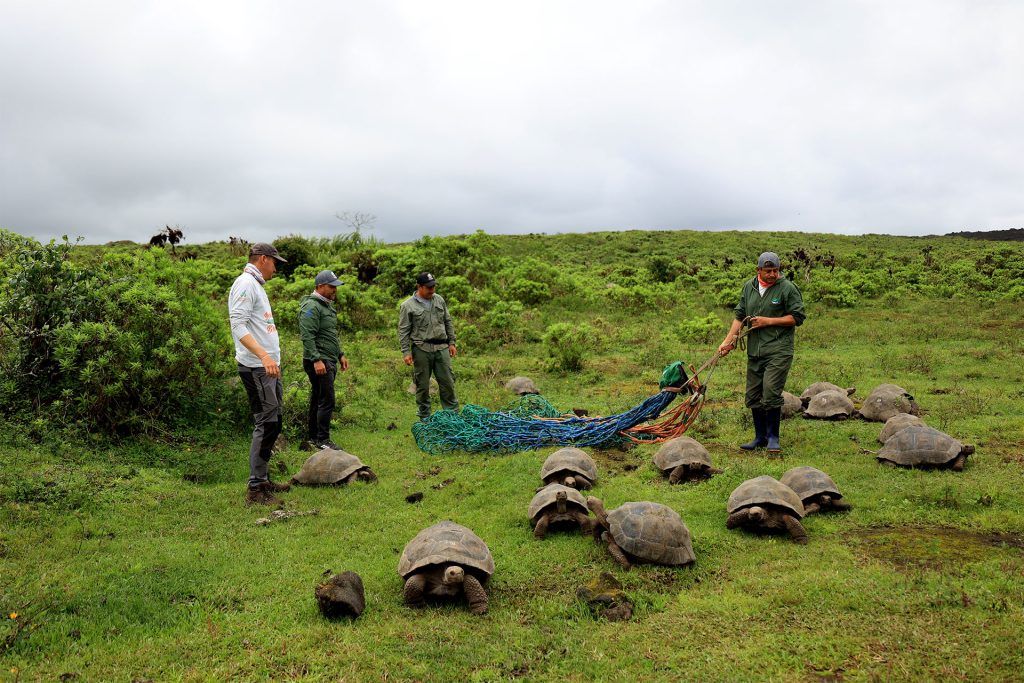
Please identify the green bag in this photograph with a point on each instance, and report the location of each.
(674, 375)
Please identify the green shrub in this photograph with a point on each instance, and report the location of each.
(298, 251)
(503, 322)
(567, 345)
(700, 330)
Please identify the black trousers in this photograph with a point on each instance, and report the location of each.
(266, 398)
(321, 401)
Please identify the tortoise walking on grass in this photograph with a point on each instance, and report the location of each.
(764, 504)
(829, 405)
(791, 405)
(522, 386)
(818, 387)
(570, 467)
(817, 491)
(886, 401)
(897, 422)
(446, 561)
(683, 459)
(559, 505)
(642, 532)
(332, 468)
(924, 447)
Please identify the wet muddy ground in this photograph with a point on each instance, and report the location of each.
(937, 548)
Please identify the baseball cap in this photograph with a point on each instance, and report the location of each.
(426, 279)
(265, 249)
(327, 277)
(768, 259)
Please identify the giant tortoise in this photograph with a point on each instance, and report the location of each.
(446, 561)
(683, 459)
(896, 423)
(817, 491)
(765, 504)
(818, 387)
(570, 467)
(887, 400)
(924, 447)
(522, 386)
(332, 468)
(791, 405)
(642, 532)
(829, 405)
(557, 504)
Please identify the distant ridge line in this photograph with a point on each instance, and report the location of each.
(1011, 235)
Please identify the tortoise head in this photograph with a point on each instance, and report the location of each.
(453, 576)
(366, 474)
(967, 450)
(597, 507)
(569, 481)
(560, 499)
(826, 500)
(756, 514)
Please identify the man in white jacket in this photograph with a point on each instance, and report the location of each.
(258, 353)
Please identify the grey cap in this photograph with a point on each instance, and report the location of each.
(327, 277)
(768, 259)
(266, 249)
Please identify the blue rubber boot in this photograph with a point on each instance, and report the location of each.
(773, 416)
(760, 432)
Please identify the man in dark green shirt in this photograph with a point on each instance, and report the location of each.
(321, 354)
(772, 306)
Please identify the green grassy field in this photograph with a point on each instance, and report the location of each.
(139, 560)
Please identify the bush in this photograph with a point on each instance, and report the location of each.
(297, 250)
(700, 330)
(504, 321)
(567, 344)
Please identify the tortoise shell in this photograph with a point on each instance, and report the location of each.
(765, 490)
(651, 532)
(522, 385)
(898, 422)
(830, 404)
(887, 400)
(327, 467)
(445, 543)
(548, 496)
(571, 459)
(818, 387)
(913, 446)
(791, 404)
(681, 450)
(808, 482)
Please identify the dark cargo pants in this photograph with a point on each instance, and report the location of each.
(438, 363)
(266, 397)
(321, 401)
(766, 378)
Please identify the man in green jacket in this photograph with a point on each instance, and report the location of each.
(427, 338)
(772, 307)
(321, 354)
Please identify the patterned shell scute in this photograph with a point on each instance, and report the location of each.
(681, 450)
(445, 542)
(547, 496)
(522, 385)
(920, 446)
(886, 401)
(572, 459)
(809, 481)
(651, 532)
(819, 387)
(791, 405)
(897, 422)
(830, 404)
(765, 490)
(328, 467)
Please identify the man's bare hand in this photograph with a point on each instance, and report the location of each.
(451, 350)
(757, 321)
(343, 362)
(320, 367)
(271, 366)
(408, 359)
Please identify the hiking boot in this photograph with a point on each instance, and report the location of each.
(760, 430)
(261, 496)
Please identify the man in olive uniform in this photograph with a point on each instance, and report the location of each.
(427, 338)
(772, 306)
(321, 354)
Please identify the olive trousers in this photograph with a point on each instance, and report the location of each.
(438, 363)
(766, 378)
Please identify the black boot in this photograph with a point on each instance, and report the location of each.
(760, 433)
(773, 416)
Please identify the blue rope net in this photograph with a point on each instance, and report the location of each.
(528, 423)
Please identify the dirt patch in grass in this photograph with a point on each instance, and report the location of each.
(936, 548)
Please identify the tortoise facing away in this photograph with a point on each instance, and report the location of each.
(765, 504)
(341, 596)
(683, 459)
(817, 491)
(570, 467)
(522, 386)
(443, 562)
(642, 532)
(332, 468)
(888, 400)
(558, 505)
(791, 405)
(818, 387)
(829, 405)
(896, 423)
(924, 447)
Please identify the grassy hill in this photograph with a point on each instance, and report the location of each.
(133, 557)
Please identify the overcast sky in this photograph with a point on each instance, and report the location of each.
(261, 119)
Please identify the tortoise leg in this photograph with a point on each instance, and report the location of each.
(736, 519)
(583, 483)
(678, 474)
(585, 522)
(796, 529)
(713, 471)
(541, 529)
(841, 505)
(958, 464)
(475, 594)
(811, 508)
(413, 592)
(620, 557)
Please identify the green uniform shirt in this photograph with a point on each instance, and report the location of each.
(318, 328)
(430, 328)
(779, 300)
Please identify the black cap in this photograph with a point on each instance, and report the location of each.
(426, 279)
(266, 249)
